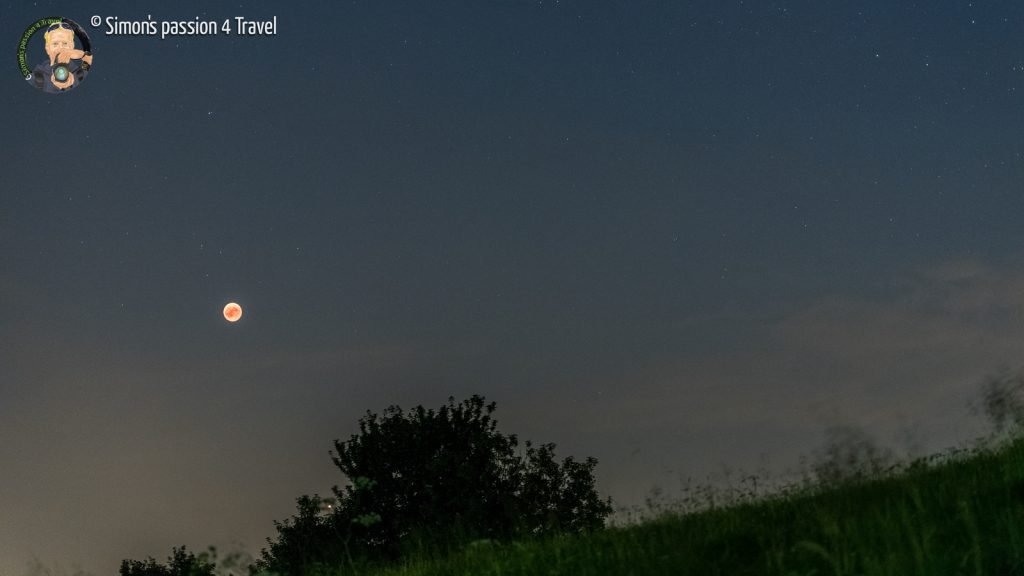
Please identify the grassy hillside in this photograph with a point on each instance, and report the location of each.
(937, 516)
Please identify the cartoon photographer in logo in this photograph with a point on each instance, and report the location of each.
(66, 66)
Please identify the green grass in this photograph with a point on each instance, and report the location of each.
(952, 515)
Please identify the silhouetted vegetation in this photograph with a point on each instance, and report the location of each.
(429, 482)
(850, 455)
(442, 493)
(1002, 401)
(178, 564)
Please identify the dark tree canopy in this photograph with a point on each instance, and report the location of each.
(304, 541)
(434, 480)
(178, 564)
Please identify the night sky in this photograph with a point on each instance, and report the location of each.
(679, 236)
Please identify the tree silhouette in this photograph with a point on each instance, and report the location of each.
(850, 454)
(432, 481)
(305, 541)
(1002, 401)
(178, 564)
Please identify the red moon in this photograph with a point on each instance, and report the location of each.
(232, 312)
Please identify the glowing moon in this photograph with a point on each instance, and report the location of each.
(232, 312)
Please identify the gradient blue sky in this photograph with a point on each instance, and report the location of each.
(674, 235)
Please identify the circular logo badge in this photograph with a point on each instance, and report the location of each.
(64, 60)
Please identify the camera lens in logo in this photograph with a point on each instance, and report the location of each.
(60, 72)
